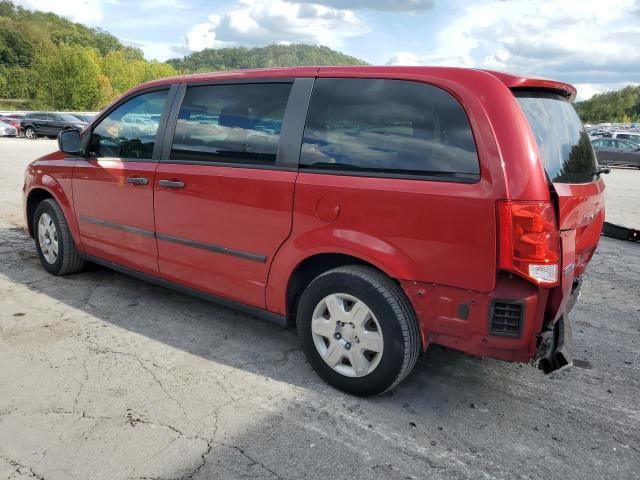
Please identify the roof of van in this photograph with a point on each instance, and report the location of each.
(511, 80)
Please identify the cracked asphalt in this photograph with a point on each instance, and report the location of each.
(106, 377)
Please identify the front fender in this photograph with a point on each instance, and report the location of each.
(53, 176)
(375, 251)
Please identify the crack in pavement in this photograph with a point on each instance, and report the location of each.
(19, 466)
(253, 460)
(107, 351)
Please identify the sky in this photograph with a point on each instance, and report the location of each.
(594, 45)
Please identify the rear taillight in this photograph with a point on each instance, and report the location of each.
(529, 241)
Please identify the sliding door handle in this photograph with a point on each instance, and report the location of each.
(171, 184)
(137, 181)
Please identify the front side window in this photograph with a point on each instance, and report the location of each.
(238, 123)
(387, 126)
(117, 137)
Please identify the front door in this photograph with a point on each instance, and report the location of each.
(113, 185)
(223, 195)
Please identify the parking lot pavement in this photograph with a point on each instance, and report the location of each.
(106, 377)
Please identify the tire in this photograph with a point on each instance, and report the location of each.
(50, 228)
(30, 133)
(364, 296)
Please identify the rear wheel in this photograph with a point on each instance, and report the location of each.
(30, 133)
(358, 330)
(58, 254)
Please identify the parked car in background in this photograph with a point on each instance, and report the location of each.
(14, 122)
(49, 124)
(140, 125)
(7, 129)
(617, 151)
(83, 117)
(631, 136)
(379, 209)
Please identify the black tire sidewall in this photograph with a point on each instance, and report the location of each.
(55, 267)
(393, 354)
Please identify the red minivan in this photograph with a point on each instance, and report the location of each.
(380, 209)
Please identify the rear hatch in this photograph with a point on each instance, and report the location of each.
(574, 181)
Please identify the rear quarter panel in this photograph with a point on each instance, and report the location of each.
(428, 231)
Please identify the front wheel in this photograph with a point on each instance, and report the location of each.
(30, 133)
(58, 254)
(358, 330)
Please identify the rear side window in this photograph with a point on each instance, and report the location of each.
(387, 127)
(562, 140)
(231, 123)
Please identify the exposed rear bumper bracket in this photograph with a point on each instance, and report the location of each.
(620, 233)
(555, 351)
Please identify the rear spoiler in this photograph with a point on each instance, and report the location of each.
(521, 82)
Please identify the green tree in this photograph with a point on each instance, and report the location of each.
(68, 78)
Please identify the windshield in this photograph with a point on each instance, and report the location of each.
(562, 140)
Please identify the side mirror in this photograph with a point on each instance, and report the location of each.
(69, 142)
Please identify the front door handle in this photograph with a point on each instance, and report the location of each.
(171, 184)
(138, 181)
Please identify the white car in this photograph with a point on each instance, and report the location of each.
(7, 130)
(632, 136)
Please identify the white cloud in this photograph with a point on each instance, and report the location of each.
(389, 5)
(588, 90)
(261, 22)
(412, 59)
(89, 12)
(580, 42)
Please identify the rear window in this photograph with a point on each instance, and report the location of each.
(562, 140)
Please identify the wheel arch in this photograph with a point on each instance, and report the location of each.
(322, 249)
(313, 265)
(34, 198)
(39, 193)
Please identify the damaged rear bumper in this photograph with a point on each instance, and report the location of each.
(555, 350)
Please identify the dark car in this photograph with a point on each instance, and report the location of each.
(617, 151)
(380, 209)
(49, 124)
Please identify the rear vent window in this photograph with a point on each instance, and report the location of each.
(506, 318)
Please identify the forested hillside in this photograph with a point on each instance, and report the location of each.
(49, 62)
(262, 57)
(619, 106)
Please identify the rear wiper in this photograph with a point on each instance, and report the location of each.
(601, 170)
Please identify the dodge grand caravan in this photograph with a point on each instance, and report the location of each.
(379, 209)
